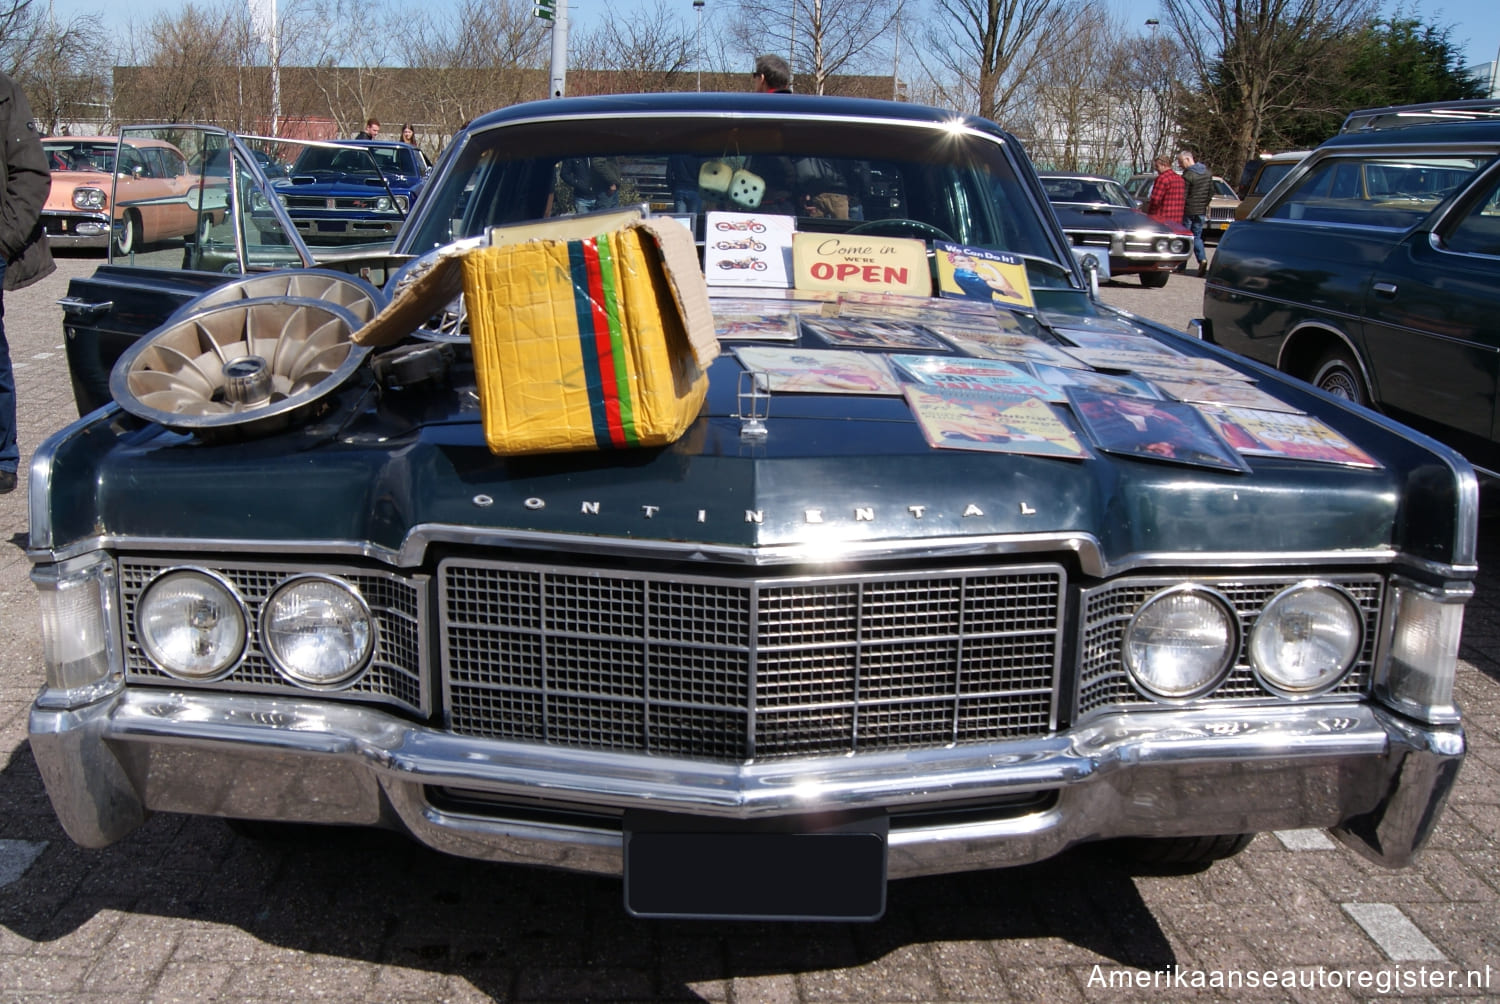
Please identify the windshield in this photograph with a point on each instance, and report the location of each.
(81, 156)
(1089, 191)
(827, 175)
(356, 160)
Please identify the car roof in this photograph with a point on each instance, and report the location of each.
(1075, 176)
(1430, 133)
(712, 103)
(1429, 113)
(134, 141)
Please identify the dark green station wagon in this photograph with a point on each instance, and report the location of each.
(929, 583)
(1373, 271)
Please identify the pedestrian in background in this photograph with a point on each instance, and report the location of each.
(370, 131)
(1198, 192)
(772, 75)
(409, 134)
(24, 256)
(1168, 196)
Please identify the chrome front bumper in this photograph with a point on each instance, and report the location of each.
(1378, 780)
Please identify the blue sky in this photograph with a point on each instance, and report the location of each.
(1476, 23)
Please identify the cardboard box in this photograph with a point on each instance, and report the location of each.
(589, 344)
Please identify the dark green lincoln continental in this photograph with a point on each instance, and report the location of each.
(927, 585)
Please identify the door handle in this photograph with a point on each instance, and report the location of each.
(83, 310)
(1385, 289)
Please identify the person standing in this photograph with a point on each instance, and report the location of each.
(370, 131)
(24, 256)
(772, 75)
(1168, 195)
(1198, 192)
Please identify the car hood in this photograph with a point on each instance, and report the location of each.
(324, 182)
(1079, 216)
(65, 183)
(835, 475)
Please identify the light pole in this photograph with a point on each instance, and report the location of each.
(698, 42)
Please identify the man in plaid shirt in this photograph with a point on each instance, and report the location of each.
(1168, 194)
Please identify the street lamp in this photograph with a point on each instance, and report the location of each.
(698, 43)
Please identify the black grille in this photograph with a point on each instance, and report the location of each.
(737, 669)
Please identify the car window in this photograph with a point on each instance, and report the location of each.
(1222, 189)
(219, 231)
(895, 182)
(1269, 175)
(1478, 230)
(1378, 191)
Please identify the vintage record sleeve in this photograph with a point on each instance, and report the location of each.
(1010, 345)
(958, 373)
(992, 422)
(819, 371)
(756, 327)
(1279, 434)
(1104, 383)
(1227, 392)
(870, 333)
(1095, 338)
(1159, 365)
(1152, 430)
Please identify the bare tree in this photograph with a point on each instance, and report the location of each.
(647, 52)
(1146, 80)
(194, 60)
(822, 37)
(474, 60)
(980, 52)
(57, 65)
(1255, 58)
(1071, 114)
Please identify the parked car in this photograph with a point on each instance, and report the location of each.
(352, 191)
(1373, 271)
(1264, 178)
(138, 192)
(1096, 213)
(882, 626)
(1220, 208)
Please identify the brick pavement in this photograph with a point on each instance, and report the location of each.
(183, 910)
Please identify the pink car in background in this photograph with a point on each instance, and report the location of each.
(155, 195)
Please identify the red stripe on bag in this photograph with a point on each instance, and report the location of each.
(602, 344)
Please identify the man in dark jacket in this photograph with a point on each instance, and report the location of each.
(1199, 186)
(24, 257)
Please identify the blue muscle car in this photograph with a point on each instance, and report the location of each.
(352, 191)
(929, 583)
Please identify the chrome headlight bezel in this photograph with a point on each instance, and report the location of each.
(363, 650)
(1272, 618)
(1206, 680)
(85, 197)
(232, 654)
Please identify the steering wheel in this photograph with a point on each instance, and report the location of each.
(901, 224)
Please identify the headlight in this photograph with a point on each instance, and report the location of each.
(402, 203)
(317, 631)
(88, 198)
(383, 204)
(192, 624)
(1181, 642)
(1160, 245)
(1179, 246)
(1306, 639)
(285, 202)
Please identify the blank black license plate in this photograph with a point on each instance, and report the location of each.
(756, 874)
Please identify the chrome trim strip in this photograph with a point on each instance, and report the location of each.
(398, 750)
(1091, 559)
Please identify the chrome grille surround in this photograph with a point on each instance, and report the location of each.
(741, 668)
(1106, 610)
(397, 672)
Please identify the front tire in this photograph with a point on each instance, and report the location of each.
(1185, 853)
(127, 234)
(1338, 374)
(1155, 280)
